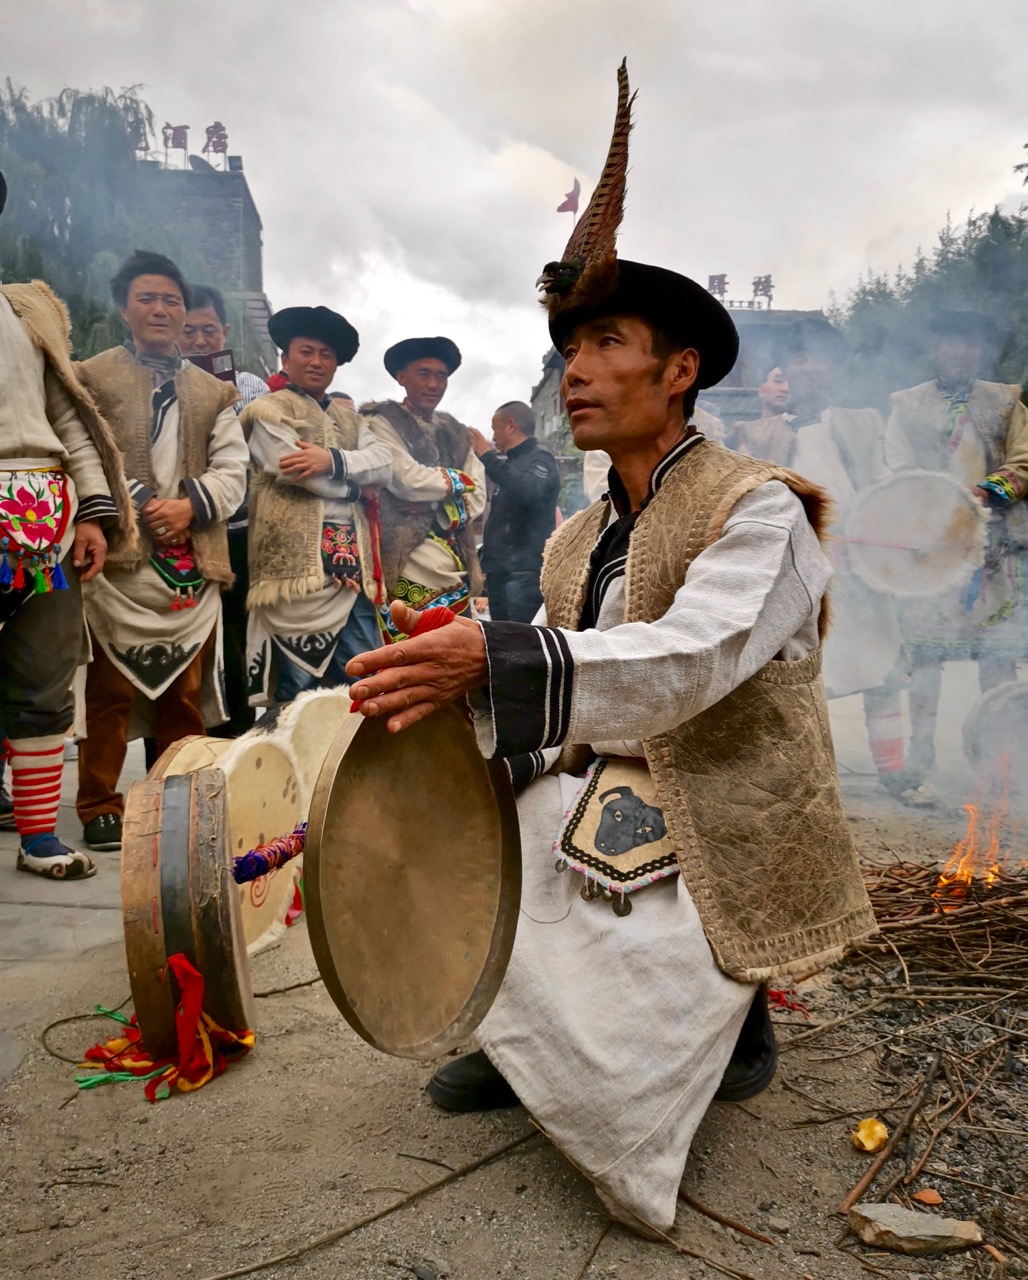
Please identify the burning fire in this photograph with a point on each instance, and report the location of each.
(979, 854)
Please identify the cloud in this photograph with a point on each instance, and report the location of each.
(407, 157)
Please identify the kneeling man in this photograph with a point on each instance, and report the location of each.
(678, 669)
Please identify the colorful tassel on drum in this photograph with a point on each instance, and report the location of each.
(267, 857)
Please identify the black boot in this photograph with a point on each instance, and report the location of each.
(755, 1056)
(471, 1084)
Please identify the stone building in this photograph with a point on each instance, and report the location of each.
(213, 216)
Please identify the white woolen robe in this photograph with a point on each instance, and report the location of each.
(615, 1031)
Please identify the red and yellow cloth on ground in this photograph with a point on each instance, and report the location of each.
(204, 1048)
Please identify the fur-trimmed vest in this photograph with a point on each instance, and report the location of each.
(444, 442)
(123, 390)
(48, 324)
(286, 519)
(748, 787)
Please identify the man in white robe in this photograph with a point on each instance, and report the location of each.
(615, 1029)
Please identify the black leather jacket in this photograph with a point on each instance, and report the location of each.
(523, 510)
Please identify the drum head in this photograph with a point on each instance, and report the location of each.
(919, 533)
(194, 752)
(996, 736)
(264, 802)
(307, 727)
(178, 895)
(413, 881)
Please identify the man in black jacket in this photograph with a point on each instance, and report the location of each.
(522, 514)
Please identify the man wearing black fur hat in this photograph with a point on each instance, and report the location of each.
(977, 432)
(313, 587)
(437, 488)
(62, 497)
(678, 669)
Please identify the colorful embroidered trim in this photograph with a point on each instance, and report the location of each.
(340, 554)
(1003, 486)
(33, 518)
(178, 568)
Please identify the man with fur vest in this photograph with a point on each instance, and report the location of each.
(155, 611)
(437, 489)
(313, 583)
(62, 495)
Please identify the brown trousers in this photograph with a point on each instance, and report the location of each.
(109, 699)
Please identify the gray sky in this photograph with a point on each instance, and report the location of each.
(407, 156)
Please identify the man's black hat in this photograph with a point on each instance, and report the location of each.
(398, 357)
(974, 325)
(3, 192)
(813, 333)
(676, 305)
(315, 322)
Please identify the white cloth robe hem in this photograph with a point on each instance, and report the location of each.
(615, 1031)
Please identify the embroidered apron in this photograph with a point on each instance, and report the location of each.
(34, 513)
(614, 833)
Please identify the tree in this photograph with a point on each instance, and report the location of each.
(981, 266)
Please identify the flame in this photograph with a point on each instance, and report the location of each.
(979, 854)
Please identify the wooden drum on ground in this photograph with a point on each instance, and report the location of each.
(178, 895)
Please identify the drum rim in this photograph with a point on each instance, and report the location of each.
(501, 945)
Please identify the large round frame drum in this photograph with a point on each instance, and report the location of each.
(918, 533)
(413, 881)
(178, 895)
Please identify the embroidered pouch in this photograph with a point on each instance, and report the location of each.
(178, 567)
(340, 554)
(33, 517)
(614, 832)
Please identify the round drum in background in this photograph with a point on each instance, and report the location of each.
(919, 533)
(413, 881)
(178, 895)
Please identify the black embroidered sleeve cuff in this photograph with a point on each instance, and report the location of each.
(530, 681)
(524, 769)
(204, 510)
(140, 493)
(338, 464)
(99, 508)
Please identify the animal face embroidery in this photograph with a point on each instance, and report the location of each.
(627, 822)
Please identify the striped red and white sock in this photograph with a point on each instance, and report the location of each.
(885, 734)
(36, 767)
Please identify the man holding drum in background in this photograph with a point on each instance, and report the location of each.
(977, 432)
(679, 671)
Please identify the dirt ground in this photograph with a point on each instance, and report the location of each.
(314, 1131)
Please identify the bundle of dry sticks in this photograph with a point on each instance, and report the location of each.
(965, 933)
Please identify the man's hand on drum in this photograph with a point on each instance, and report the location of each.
(409, 680)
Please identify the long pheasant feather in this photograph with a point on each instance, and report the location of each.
(596, 230)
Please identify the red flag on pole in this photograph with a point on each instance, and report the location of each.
(570, 204)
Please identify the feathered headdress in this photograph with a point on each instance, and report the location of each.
(587, 271)
(590, 279)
